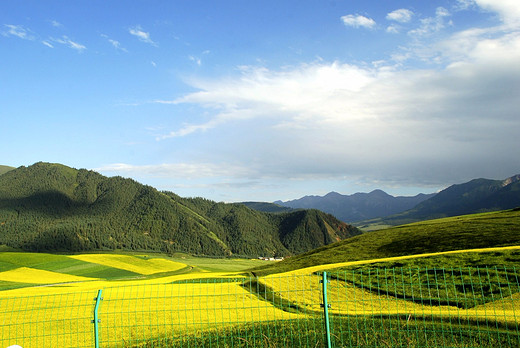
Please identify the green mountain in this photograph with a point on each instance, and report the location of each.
(267, 207)
(5, 169)
(51, 207)
(485, 230)
(475, 196)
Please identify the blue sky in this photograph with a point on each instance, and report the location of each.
(264, 100)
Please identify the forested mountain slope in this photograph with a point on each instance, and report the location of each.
(474, 231)
(5, 169)
(51, 207)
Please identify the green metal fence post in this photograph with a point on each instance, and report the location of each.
(326, 305)
(96, 318)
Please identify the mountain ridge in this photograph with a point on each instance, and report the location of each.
(475, 196)
(358, 206)
(52, 207)
(5, 169)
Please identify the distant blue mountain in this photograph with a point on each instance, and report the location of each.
(359, 206)
(475, 196)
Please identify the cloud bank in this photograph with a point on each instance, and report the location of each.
(402, 126)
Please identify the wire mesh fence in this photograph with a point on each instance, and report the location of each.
(395, 307)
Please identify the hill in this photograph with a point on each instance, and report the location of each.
(475, 196)
(5, 169)
(52, 207)
(359, 206)
(475, 231)
(267, 207)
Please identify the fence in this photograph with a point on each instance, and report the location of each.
(465, 307)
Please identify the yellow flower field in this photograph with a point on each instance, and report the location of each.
(345, 299)
(60, 313)
(132, 263)
(37, 276)
(130, 313)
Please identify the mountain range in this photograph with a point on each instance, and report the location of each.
(475, 196)
(52, 207)
(377, 209)
(359, 206)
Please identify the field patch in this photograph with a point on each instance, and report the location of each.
(60, 264)
(477, 232)
(414, 260)
(11, 260)
(30, 275)
(140, 265)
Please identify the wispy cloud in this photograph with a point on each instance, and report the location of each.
(47, 43)
(18, 31)
(64, 40)
(463, 4)
(393, 29)
(432, 25)
(116, 44)
(196, 60)
(177, 170)
(142, 35)
(357, 21)
(402, 15)
(56, 24)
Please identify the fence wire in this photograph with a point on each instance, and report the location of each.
(378, 307)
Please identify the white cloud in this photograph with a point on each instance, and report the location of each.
(393, 29)
(142, 35)
(18, 31)
(394, 125)
(56, 24)
(196, 60)
(463, 4)
(189, 171)
(509, 10)
(402, 15)
(64, 40)
(357, 21)
(47, 43)
(335, 119)
(432, 25)
(116, 44)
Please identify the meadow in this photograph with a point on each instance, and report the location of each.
(442, 288)
(151, 300)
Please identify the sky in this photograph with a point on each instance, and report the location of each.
(264, 100)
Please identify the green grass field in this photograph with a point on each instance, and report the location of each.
(476, 231)
(388, 332)
(382, 293)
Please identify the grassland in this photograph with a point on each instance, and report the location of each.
(456, 298)
(476, 231)
(212, 303)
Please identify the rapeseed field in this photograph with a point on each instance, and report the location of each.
(145, 303)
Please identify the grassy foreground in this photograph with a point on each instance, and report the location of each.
(458, 298)
(197, 307)
(476, 231)
(387, 332)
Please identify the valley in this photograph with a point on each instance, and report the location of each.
(455, 279)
